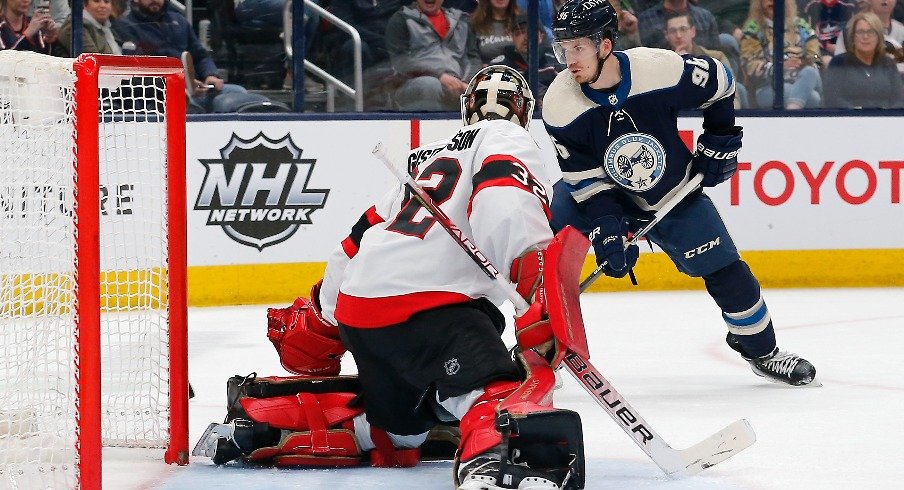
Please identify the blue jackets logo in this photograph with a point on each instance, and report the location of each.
(257, 191)
(635, 161)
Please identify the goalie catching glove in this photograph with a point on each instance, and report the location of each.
(716, 157)
(307, 344)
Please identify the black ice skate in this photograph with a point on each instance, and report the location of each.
(778, 366)
(223, 443)
(485, 472)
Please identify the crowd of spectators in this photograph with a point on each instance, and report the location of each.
(432, 68)
(417, 55)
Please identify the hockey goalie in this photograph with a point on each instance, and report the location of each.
(423, 325)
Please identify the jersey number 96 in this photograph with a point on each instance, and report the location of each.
(700, 75)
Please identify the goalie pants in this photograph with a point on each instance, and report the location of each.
(445, 352)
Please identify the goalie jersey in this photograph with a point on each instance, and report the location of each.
(397, 260)
(625, 141)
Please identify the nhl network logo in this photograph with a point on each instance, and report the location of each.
(257, 191)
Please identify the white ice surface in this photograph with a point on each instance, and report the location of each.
(665, 353)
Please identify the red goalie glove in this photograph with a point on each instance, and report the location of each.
(305, 342)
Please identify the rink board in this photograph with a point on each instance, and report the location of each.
(269, 200)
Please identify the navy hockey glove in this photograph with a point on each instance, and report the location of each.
(717, 155)
(608, 238)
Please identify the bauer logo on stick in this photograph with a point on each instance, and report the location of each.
(258, 190)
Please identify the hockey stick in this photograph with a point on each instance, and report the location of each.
(674, 463)
(691, 186)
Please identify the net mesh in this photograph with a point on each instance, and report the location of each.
(38, 280)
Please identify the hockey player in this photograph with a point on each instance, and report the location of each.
(612, 117)
(422, 322)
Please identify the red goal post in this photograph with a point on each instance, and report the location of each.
(92, 264)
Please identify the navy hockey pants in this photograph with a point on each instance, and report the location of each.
(692, 234)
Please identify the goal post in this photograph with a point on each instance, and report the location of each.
(93, 340)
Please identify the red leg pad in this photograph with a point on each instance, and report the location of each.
(336, 447)
(301, 412)
(385, 455)
(535, 394)
(478, 426)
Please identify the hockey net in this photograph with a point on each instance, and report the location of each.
(92, 335)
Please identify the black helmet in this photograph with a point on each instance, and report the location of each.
(497, 92)
(595, 19)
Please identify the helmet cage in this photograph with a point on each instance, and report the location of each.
(497, 92)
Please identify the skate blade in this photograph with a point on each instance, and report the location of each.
(816, 383)
(207, 445)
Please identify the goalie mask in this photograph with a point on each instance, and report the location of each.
(497, 92)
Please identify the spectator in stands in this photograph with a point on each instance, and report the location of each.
(651, 23)
(628, 33)
(828, 18)
(154, 29)
(97, 30)
(59, 10)
(893, 30)
(492, 23)
(27, 33)
(546, 10)
(434, 50)
(680, 33)
(515, 55)
(370, 18)
(803, 85)
(864, 77)
(466, 6)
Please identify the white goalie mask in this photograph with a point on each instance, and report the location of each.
(497, 92)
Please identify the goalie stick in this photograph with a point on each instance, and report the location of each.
(689, 187)
(673, 462)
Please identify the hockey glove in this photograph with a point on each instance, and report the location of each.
(607, 236)
(306, 343)
(717, 155)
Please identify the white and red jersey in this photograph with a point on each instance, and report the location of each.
(490, 180)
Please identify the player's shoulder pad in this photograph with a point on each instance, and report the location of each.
(653, 69)
(564, 101)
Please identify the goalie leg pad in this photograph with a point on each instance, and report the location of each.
(319, 431)
(303, 411)
(478, 431)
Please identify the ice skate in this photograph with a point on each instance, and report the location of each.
(223, 443)
(485, 472)
(778, 366)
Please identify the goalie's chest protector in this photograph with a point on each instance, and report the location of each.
(489, 180)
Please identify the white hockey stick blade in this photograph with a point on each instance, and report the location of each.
(709, 452)
(674, 463)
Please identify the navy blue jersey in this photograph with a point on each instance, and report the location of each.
(621, 148)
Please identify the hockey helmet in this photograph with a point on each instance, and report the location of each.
(594, 19)
(497, 92)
